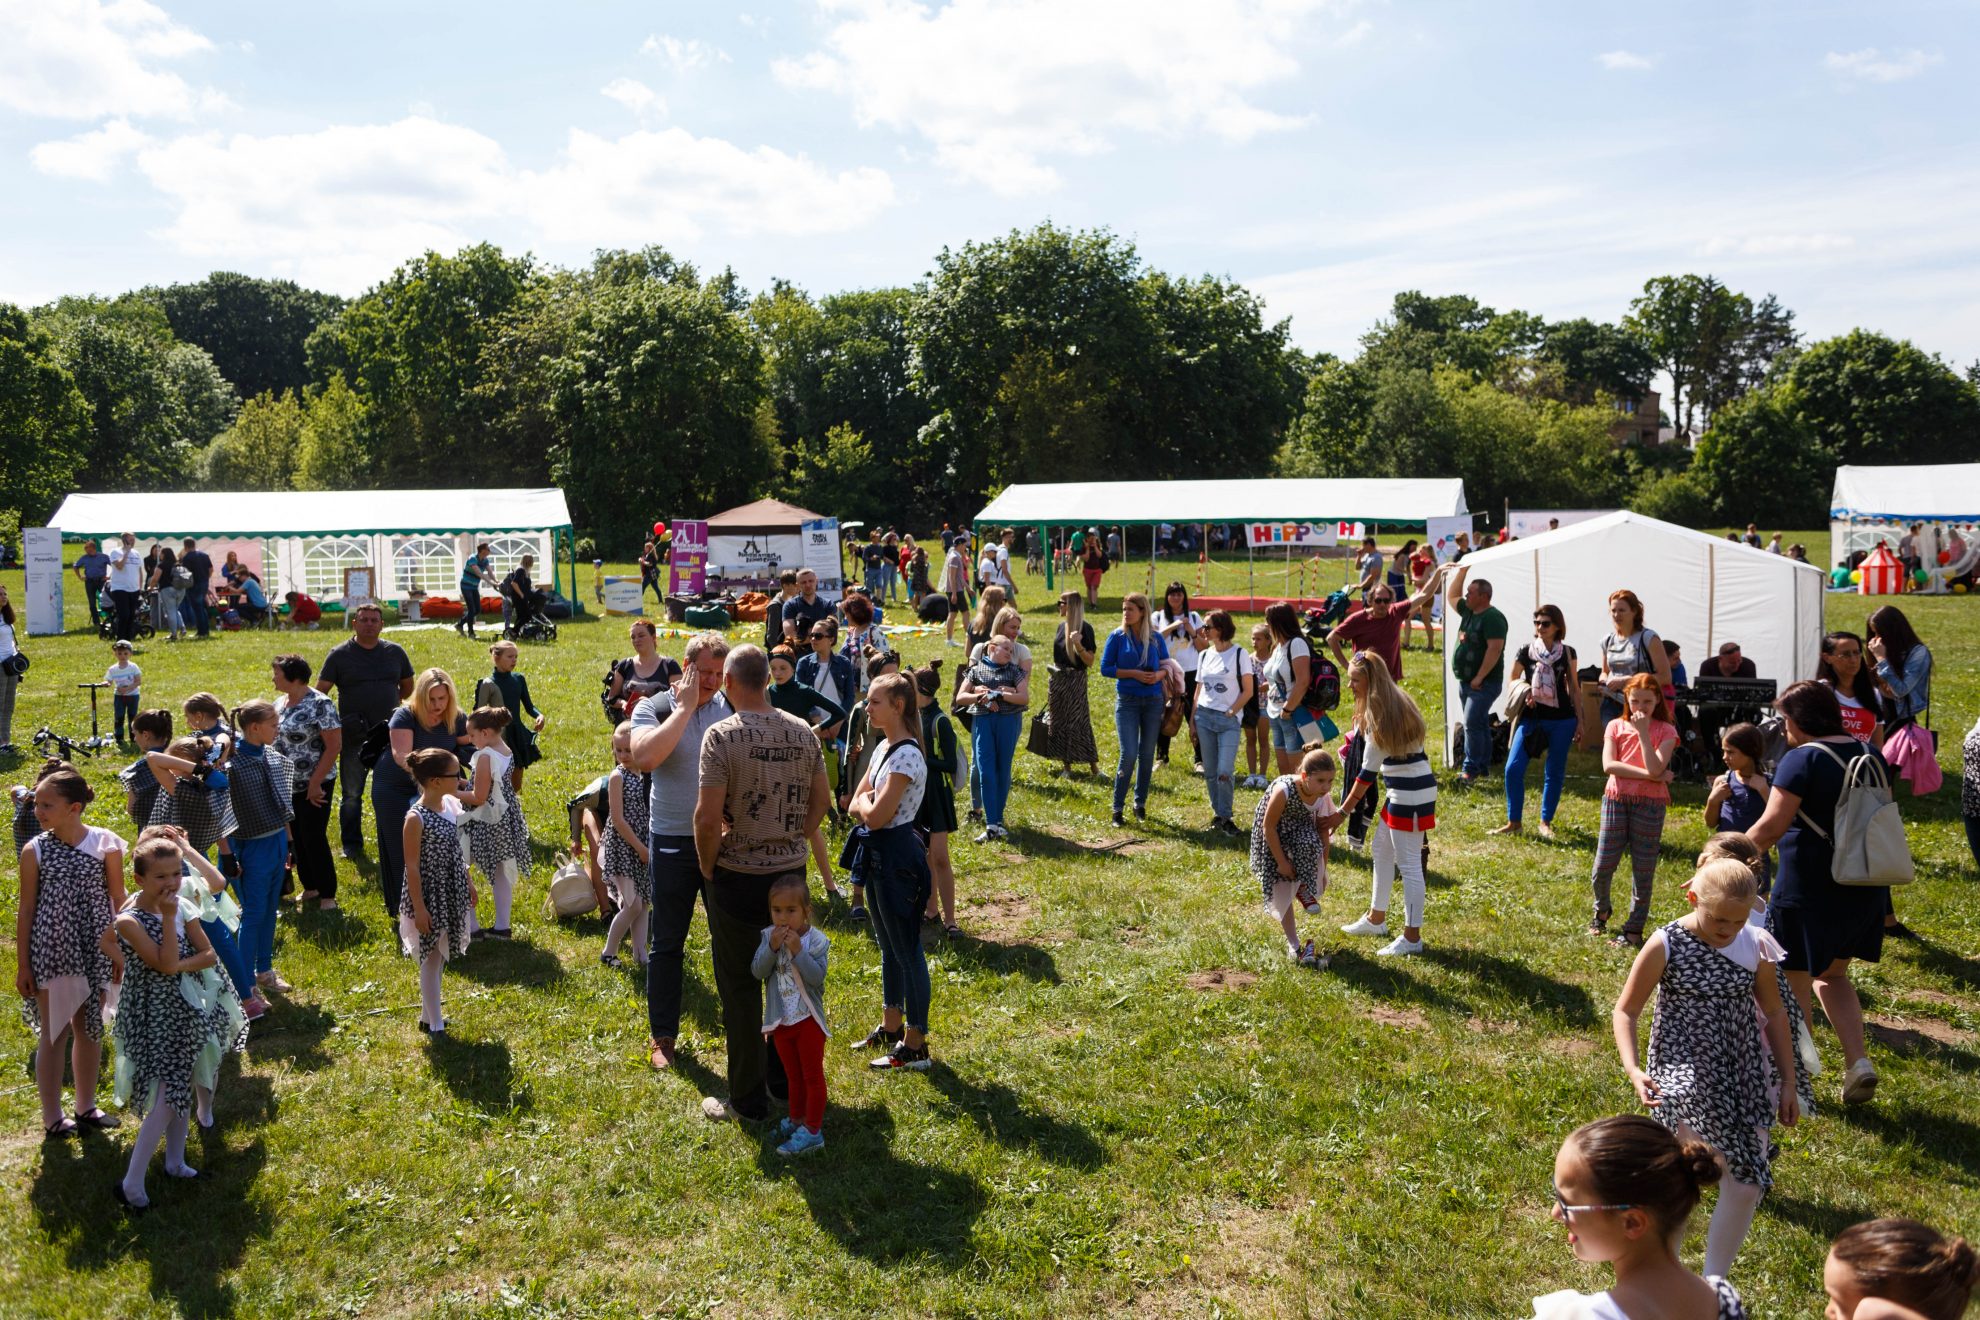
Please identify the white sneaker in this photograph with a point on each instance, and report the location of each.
(986, 836)
(1400, 947)
(1363, 926)
(1859, 1083)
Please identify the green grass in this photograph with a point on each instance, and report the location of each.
(1098, 1136)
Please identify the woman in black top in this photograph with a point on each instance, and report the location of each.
(1551, 722)
(1069, 717)
(1821, 924)
(649, 573)
(430, 717)
(640, 674)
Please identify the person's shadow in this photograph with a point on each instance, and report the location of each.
(875, 1203)
(192, 1238)
(1003, 1115)
(479, 1073)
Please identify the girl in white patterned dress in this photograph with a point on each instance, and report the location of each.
(492, 819)
(436, 905)
(72, 882)
(625, 853)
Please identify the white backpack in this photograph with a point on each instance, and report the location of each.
(571, 894)
(1869, 843)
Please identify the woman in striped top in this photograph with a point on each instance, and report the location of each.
(1394, 729)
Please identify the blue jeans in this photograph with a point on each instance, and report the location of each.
(1219, 734)
(123, 709)
(201, 616)
(1559, 735)
(1478, 724)
(994, 739)
(896, 893)
(259, 887)
(229, 954)
(1138, 721)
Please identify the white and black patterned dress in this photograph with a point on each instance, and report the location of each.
(1708, 1056)
(620, 861)
(25, 825)
(172, 1028)
(142, 786)
(1299, 838)
(71, 912)
(505, 838)
(205, 814)
(443, 884)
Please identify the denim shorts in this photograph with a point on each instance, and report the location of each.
(1286, 736)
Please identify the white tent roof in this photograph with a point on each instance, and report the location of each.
(1942, 492)
(1371, 500)
(1697, 591)
(313, 512)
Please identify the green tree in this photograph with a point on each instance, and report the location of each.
(1454, 330)
(332, 452)
(261, 449)
(1760, 463)
(1713, 343)
(210, 401)
(1508, 446)
(255, 329)
(1329, 437)
(44, 421)
(143, 434)
(1224, 388)
(1596, 358)
(1866, 398)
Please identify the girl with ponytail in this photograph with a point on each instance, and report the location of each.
(1899, 1269)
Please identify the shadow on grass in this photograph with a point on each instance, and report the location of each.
(1003, 1115)
(193, 1237)
(1954, 1141)
(330, 931)
(1517, 986)
(1939, 960)
(1380, 978)
(1910, 1043)
(509, 962)
(1822, 1222)
(479, 1073)
(1031, 961)
(294, 1033)
(875, 1203)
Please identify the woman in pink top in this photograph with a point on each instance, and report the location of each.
(1636, 751)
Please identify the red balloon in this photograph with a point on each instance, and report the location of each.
(1945, 556)
(659, 529)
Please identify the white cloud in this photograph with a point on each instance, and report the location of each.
(87, 59)
(94, 155)
(635, 96)
(340, 207)
(996, 86)
(1625, 60)
(691, 53)
(1872, 65)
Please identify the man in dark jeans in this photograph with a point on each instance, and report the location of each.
(763, 791)
(666, 741)
(370, 677)
(198, 563)
(127, 576)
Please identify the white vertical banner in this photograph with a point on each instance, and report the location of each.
(42, 549)
(821, 556)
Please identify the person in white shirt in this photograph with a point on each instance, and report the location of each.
(124, 679)
(955, 584)
(1178, 626)
(126, 581)
(9, 680)
(1004, 578)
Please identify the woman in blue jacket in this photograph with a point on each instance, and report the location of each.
(1133, 659)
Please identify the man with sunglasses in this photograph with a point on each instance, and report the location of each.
(1378, 625)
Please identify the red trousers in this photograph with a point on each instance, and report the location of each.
(802, 1050)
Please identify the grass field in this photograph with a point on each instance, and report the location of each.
(1138, 1107)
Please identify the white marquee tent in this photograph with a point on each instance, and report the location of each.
(304, 540)
(1872, 504)
(1697, 591)
(1138, 503)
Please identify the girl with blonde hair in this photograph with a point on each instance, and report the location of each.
(1394, 729)
(1133, 659)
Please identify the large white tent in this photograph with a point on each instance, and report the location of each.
(1138, 503)
(1697, 591)
(304, 540)
(1873, 504)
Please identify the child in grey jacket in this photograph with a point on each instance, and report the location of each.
(791, 958)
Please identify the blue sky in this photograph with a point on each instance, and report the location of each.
(1326, 153)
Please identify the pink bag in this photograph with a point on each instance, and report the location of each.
(1909, 749)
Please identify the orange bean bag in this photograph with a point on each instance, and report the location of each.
(752, 606)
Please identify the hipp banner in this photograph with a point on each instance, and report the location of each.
(1306, 535)
(688, 569)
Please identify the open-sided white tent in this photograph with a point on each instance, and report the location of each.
(1137, 503)
(1872, 504)
(304, 540)
(1697, 591)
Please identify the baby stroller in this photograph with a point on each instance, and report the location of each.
(528, 622)
(106, 626)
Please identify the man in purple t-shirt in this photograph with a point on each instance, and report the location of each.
(1378, 625)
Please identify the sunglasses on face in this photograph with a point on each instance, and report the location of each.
(1570, 1211)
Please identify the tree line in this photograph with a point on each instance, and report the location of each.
(645, 388)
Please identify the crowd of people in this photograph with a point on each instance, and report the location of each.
(727, 766)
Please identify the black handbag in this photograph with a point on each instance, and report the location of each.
(1038, 739)
(376, 740)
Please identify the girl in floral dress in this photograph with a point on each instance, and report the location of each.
(437, 901)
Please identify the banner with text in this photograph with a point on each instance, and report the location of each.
(1303, 535)
(687, 568)
(42, 550)
(821, 555)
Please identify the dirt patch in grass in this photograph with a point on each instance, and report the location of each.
(1241, 1259)
(1133, 936)
(1383, 1015)
(1937, 997)
(1480, 1026)
(1907, 1035)
(997, 917)
(1013, 859)
(1218, 980)
(1574, 1047)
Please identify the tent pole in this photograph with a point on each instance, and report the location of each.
(1250, 571)
(1044, 534)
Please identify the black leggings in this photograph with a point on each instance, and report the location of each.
(1189, 704)
(316, 869)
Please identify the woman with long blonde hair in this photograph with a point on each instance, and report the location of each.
(1393, 729)
(1133, 659)
(430, 717)
(1071, 718)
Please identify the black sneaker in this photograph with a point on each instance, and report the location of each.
(1897, 930)
(1120, 820)
(903, 1057)
(880, 1037)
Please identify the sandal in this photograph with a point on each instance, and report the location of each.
(881, 1037)
(62, 1127)
(99, 1120)
(1629, 939)
(952, 930)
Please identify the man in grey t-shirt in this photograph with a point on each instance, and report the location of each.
(666, 741)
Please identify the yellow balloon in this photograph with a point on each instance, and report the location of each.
(1959, 588)
(1855, 576)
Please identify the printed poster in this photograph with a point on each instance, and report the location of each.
(687, 566)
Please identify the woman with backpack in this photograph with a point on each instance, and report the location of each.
(1822, 924)
(1629, 650)
(169, 582)
(1550, 722)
